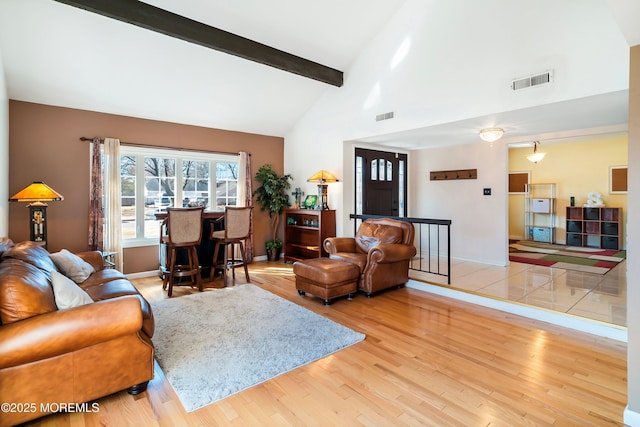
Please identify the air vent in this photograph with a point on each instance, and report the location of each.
(385, 116)
(533, 80)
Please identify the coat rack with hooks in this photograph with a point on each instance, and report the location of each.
(454, 174)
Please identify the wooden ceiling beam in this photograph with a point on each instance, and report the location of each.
(162, 21)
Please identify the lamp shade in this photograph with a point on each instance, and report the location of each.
(491, 134)
(536, 156)
(37, 192)
(322, 176)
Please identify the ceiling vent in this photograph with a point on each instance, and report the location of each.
(385, 116)
(533, 80)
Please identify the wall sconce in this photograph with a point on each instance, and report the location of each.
(37, 193)
(536, 157)
(322, 178)
(491, 134)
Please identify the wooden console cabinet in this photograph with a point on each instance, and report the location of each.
(595, 227)
(304, 232)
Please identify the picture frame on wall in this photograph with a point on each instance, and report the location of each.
(518, 182)
(618, 179)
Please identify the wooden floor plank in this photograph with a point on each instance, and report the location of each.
(426, 360)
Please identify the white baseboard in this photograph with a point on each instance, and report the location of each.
(631, 418)
(141, 274)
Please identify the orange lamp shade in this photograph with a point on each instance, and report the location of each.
(37, 192)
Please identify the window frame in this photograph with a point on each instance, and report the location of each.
(179, 156)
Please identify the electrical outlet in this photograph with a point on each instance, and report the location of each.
(487, 192)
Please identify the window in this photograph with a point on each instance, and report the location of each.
(226, 182)
(155, 179)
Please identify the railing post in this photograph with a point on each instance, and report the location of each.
(449, 254)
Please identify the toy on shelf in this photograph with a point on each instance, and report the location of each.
(594, 200)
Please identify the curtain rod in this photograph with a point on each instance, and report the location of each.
(132, 144)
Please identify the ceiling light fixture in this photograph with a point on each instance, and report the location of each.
(536, 157)
(491, 134)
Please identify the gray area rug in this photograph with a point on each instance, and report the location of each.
(217, 343)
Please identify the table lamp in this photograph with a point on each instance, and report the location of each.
(322, 178)
(37, 193)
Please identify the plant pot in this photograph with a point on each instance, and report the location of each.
(273, 254)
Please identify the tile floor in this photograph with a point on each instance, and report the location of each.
(593, 296)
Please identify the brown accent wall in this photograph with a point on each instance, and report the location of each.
(44, 146)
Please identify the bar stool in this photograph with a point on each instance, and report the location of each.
(184, 233)
(237, 228)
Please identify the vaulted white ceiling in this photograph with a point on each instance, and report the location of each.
(60, 55)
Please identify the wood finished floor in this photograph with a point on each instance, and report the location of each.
(426, 360)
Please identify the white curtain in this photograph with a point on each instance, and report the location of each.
(242, 179)
(113, 204)
(245, 194)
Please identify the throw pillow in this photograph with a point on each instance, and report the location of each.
(66, 293)
(72, 266)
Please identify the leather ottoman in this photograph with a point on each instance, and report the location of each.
(326, 278)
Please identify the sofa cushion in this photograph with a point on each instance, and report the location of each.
(24, 291)
(372, 235)
(67, 293)
(102, 276)
(118, 288)
(351, 257)
(32, 253)
(74, 267)
(111, 289)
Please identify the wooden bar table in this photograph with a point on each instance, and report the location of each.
(206, 247)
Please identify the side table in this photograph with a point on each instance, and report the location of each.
(109, 259)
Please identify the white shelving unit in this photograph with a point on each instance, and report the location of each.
(540, 213)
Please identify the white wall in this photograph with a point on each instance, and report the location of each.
(632, 414)
(456, 66)
(476, 219)
(4, 154)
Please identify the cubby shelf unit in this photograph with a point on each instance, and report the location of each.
(594, 227)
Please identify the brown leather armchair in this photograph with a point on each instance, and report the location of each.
(382, 250)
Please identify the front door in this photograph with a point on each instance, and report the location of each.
(381, 182)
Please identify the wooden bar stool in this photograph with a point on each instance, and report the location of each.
(184, 233)
(237, 228)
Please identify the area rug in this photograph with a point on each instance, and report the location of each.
(589, 260)
(217, 343)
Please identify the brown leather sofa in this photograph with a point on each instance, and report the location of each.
(51, 357)
(382, 249)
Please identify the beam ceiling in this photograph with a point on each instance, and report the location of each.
(162, 21)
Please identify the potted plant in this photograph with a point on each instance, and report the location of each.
(272, 197)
